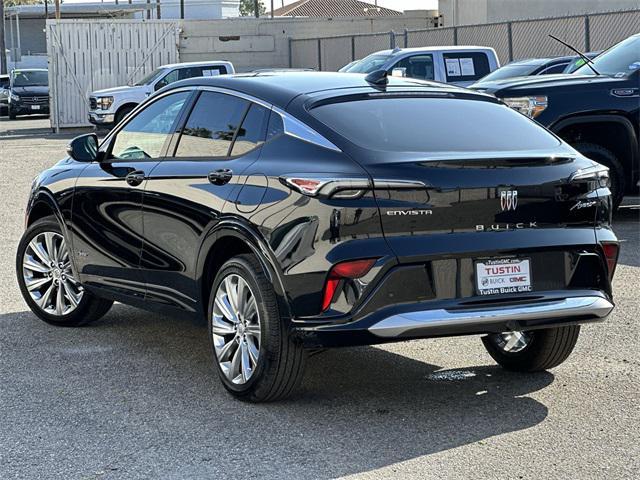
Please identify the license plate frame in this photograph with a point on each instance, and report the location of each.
(503, 276)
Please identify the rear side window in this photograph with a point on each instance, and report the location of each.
(211, 126)
(434, 125)
(466, 66)
(252, 131)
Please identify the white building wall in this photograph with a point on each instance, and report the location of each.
(194, 9)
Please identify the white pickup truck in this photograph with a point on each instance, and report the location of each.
(459, 65)
(107, 107)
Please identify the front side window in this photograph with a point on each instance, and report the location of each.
(466, 66)
(417, 66)
(211, 126)
(172, 76)
(145, 135)
(433, 125)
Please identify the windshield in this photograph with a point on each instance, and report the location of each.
(509, 71)
(415, 124)
(149, 78)
(30, 78)
(368, 64)
(620, 60)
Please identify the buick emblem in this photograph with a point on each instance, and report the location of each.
(508, 200)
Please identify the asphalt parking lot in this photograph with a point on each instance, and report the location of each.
(135, 396)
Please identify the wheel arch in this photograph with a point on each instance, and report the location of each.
(231, 237)
(127, 104)
(620, 137)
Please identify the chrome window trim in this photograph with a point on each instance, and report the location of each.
(297, 129)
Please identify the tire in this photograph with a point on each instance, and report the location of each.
(12, 114)
(544, 350)
(279, 367)
(88, 308)
(122, 112)
(616, 171)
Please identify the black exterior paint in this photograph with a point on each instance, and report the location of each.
(150, 245)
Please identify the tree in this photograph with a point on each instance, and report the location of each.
(247, 8)
(13, 3)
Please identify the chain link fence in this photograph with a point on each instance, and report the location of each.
(511, 40)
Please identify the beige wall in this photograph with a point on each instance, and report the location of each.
(470, 12)
(263, 43)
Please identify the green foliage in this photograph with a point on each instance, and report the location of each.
(13, 3)
(247, 8)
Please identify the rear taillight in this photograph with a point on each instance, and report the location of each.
(345, 270)
(611, 251)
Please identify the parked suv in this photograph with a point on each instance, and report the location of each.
(4, 93)
(28, 92)
(306, 210)
(460, 66)
(596, 109)
(109, 106)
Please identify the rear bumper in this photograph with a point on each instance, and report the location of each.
(542, 310)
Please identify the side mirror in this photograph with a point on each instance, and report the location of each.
(399, 72)
(84, 148)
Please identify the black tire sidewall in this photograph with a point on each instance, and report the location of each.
(268, 316)
(78, 315)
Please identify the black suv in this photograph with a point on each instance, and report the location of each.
(302, 210)
(29, 92)
(596, 109)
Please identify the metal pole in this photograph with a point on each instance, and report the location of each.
(353, 47)
(46, 10)
(3, 49)
(290, 53)
(158, 10)
(57, 9)
(587, 34)
(256, 8)
(182, 9)
(13, 45)
(271, 8)
(319, 54)
(510, 41)
(392, 40)
(18, 33)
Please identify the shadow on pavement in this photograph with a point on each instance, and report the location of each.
(137, 391)
(626, 224)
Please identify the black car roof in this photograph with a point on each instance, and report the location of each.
(280, 88)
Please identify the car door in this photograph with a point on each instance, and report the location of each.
(185, 195)
(107, 204)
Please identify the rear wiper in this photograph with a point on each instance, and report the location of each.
(587, 60)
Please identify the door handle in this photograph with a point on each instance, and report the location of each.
(220, 177)
(135, 178)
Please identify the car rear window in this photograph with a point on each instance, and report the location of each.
(414, 124)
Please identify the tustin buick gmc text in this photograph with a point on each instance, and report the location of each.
(301, 210)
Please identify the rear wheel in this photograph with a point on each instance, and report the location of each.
(47, 280)
(534, 350)
(255, 356)
(607, 158)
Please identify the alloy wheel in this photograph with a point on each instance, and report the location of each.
(235, 328)
(48, 276)
(512, 342)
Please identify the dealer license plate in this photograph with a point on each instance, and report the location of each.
(503, 275)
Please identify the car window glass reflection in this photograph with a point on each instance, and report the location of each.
(145, 135)
(211, 126)
(251, 133)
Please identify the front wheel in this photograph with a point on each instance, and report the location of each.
(255, 356)
(534, 350)
(47, 280)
